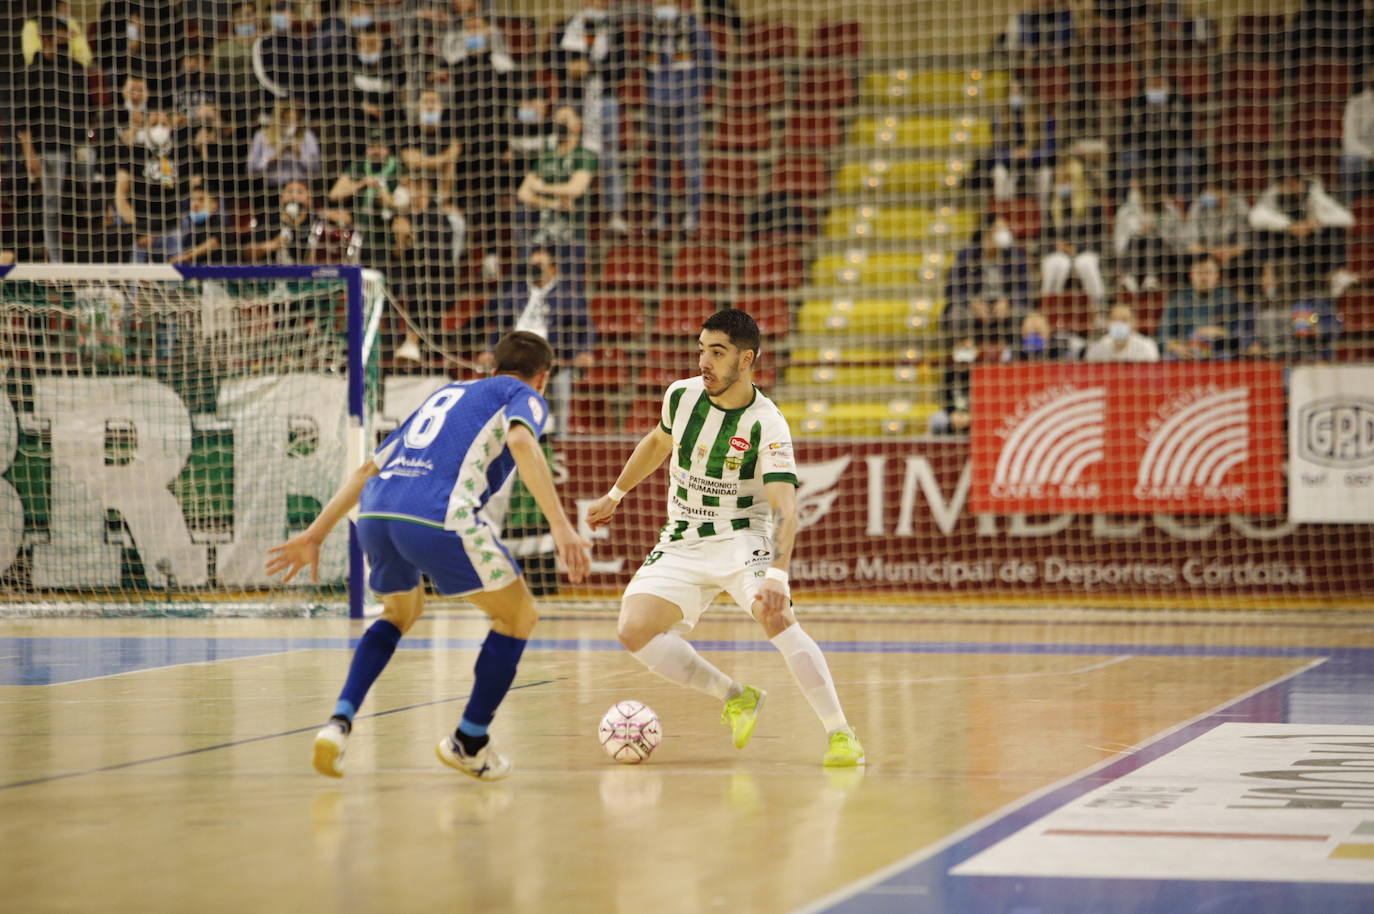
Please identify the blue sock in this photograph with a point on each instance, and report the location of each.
(375, 648)
(492, 675)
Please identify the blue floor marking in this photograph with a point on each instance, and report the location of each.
(928, 888)
(51, 661)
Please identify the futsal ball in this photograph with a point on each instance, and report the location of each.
(630, 731)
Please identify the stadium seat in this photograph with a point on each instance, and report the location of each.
(721, 218)
(617, 315)
(772, 267)
(610, 371)
(1116, 81)
(837, 39)
(1253, 80)
(1258, 34)
(591, 415)
(935, 134)
(829, 88)
(772, 313)
(898, 374)
(521, 34)
(1363, 210)
(769, 39)
(802, 176)
(1357, 311)
(682, 315)
(861, 268)
(1053, 83)
(744, 131)
(732, 176)
(1360, 257)
(899, 223)
(632, 92)
(867, 317)
(1315, 126)
(1323, 81)
(1148, 308)
(812, 131)
(901, 417)
(645, 413)
(757, 88)
(704, 267)
(1192, 78)
(665, 364)
(631, 267)
(908, 176)
(1073, 312)
(1022, 215)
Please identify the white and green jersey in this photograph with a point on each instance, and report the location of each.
(720, 461)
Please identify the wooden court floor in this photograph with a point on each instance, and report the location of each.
(163, 765)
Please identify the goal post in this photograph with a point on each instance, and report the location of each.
(163, 425)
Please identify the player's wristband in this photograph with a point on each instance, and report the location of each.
(776, 574)
(616, 494)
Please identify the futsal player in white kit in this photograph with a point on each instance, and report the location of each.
(732, 521)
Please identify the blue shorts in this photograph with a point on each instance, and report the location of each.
(399, 551)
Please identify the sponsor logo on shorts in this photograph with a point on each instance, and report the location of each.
(739, 444)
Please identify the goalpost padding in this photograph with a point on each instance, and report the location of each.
(164, 425)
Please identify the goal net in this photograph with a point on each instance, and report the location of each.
(1064, 302)
(159, 432)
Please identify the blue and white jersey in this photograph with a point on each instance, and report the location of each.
(443, 463)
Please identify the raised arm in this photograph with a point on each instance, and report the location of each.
(647, 456)
(534, 473)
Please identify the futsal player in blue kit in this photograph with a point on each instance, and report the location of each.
(419, 499)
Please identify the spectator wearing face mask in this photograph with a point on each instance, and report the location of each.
(284, 234)
(1121, 342)
(1217, 223)
(201, 230)
(990, 279)
(432, 147)
(1023, 146)
(1038, 342)
(590, 54)
(365, 192)
(558, 187)
(680, 70)
(532, 130)
(1158, 145)
(1203, 321)
(1148, 238)
(1072, 233)
(376, 81)
(232, 56)
(285, 150)
(953, 417)
(1296, 222)
(216, 154)
(281, 61)
(153, 189)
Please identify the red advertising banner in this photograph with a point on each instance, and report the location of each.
(893, 519)
(1173, 437)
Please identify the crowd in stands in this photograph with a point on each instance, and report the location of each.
(478, 169)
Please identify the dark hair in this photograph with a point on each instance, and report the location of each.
(523, 354)
(738, 325)
(1202, 257)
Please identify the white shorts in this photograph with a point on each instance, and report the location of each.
(690, 574)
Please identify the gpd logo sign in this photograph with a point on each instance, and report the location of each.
(1337, 432)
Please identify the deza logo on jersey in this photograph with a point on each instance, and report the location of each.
(1337, 432)
(739, 444)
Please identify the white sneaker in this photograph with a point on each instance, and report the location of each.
(330, 743)
(619, 225)
(1129, 284)
(409, 351)
(486, 764)
(1342, 280)
(491, 267)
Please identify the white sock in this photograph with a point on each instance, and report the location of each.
(808, 666)
(675, 660)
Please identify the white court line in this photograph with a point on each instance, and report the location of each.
(916, 858)
(1103, 664)
(172, 666)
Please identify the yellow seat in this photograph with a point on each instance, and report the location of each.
(918, 375)
(943, 134)
(869, 316)
(903, 176)
(899, 223)
(860, 268)
(817, 418)
(934, 87)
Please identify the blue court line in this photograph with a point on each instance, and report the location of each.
(242, 742)
(927, 887)
(51, 661)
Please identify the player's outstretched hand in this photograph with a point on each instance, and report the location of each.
(601, 511)
(573, 553)
(293, 555)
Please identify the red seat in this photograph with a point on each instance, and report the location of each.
(721, 219)
(843, 38)
(617, 315)
(610, 371)
(683, 315)
(1316, 125)
(706, 267)
(591, 416)
(632, 90)
(666, 364)
(1115, 81)
(1360, 257)
(1323, 81)
(1053, 83)
(631, 267)
(813, 130)
(1192, 78)
(1070, 311)
(828, 88)
(1148, 308)
(646, 172)
(772, 313)
(459, 314)
(773, 267)
(1022, 215)
(744, 131)
(757, 88)
(645, 413)
(1258, 34)
(1357, 311)
(1254, 80)
(722, 39)
(1242, 139)
(732, 176)
(802, 176)
(769, 39)
(1363, 209)
(521, 34)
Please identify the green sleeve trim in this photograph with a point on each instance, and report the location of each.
(780, 477)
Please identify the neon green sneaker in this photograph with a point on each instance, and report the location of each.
(742, 713)
(845, 750)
